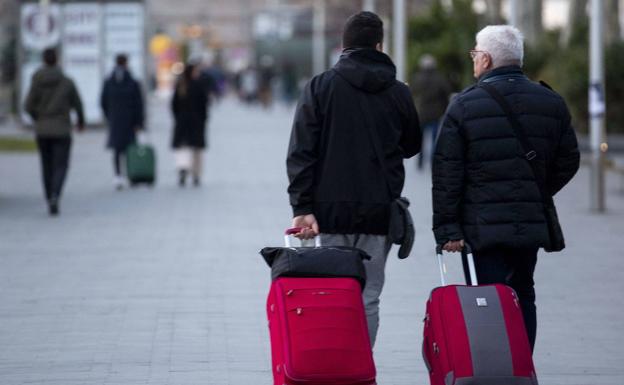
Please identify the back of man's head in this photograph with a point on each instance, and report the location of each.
(121, 60)
(362, 30)
(49, 57)
(504, 44)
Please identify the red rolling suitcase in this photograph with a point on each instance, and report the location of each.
(319, 334)
(475, 335)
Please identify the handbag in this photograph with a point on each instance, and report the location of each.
(401, 227)
(557, 242)
(324, 261)
(183, 158)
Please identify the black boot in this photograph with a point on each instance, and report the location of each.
(53, 207)
(182, 179)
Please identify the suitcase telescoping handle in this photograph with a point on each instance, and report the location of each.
(471, 267)
(296, 230)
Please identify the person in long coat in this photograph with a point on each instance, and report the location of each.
(190, 111)
(122, 103)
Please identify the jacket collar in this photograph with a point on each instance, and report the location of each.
(501, 73)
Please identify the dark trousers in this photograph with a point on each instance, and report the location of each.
(117, 156)
(513, 268)
(433, 127)
(54, 163)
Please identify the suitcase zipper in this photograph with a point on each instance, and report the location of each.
(299, 310)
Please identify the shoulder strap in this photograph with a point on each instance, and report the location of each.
(527, 148)
(374, 138)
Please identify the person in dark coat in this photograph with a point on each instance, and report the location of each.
(122, 104)
(337, 186)
(190, 105)
(485, 192)
(50, 100)
(431, 92)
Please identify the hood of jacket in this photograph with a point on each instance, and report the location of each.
(366, 69)
(48, 77)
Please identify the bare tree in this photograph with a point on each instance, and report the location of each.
(530, 22)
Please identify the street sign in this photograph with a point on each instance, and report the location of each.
(40, 26)
(89, 35)
(81, 54)
(124, 26)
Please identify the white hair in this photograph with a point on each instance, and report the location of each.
(504, 43)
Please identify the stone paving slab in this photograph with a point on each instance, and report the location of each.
(164, 286)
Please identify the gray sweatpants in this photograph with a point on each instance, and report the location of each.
(377, 246)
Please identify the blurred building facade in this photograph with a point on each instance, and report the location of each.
(8, 58)
(231, 26)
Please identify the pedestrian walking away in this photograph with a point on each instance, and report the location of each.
(122, 104)
(431, 93)
(51, 98)
(190, 106)
(505, 148)
(338, 185)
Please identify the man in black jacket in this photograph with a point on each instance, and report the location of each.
(485, 191)
(337, 186)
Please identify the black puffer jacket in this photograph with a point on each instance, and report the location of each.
(484, 190)
(333, 170)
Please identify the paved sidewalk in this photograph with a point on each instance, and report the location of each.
(165, 286)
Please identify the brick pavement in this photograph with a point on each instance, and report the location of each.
(165, 286)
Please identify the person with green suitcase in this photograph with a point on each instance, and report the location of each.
(122, 104)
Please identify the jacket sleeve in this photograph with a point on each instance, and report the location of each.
(140, 106)
(448, 177)
(303, 152)
(32, 100)
(174, 103)
(567, 158)
(76, 103)
(104, 99)
(411, 138)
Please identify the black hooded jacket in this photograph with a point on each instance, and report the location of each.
(332, 167)
(484, 190)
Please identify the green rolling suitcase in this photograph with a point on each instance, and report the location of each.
(141, 164)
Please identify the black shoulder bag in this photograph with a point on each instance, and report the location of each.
(401, 229)
(557, 242)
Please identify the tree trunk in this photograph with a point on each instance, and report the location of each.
(612, 27)
(493, 12)
(530, 22)
(577, 14)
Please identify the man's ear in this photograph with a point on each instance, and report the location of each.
(490, 63)
(379, 47)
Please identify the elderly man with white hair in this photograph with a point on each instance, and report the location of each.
(506, 147)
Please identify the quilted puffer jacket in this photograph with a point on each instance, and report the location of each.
(484, 190)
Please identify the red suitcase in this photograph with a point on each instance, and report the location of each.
(319, 334)
(475, 335)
